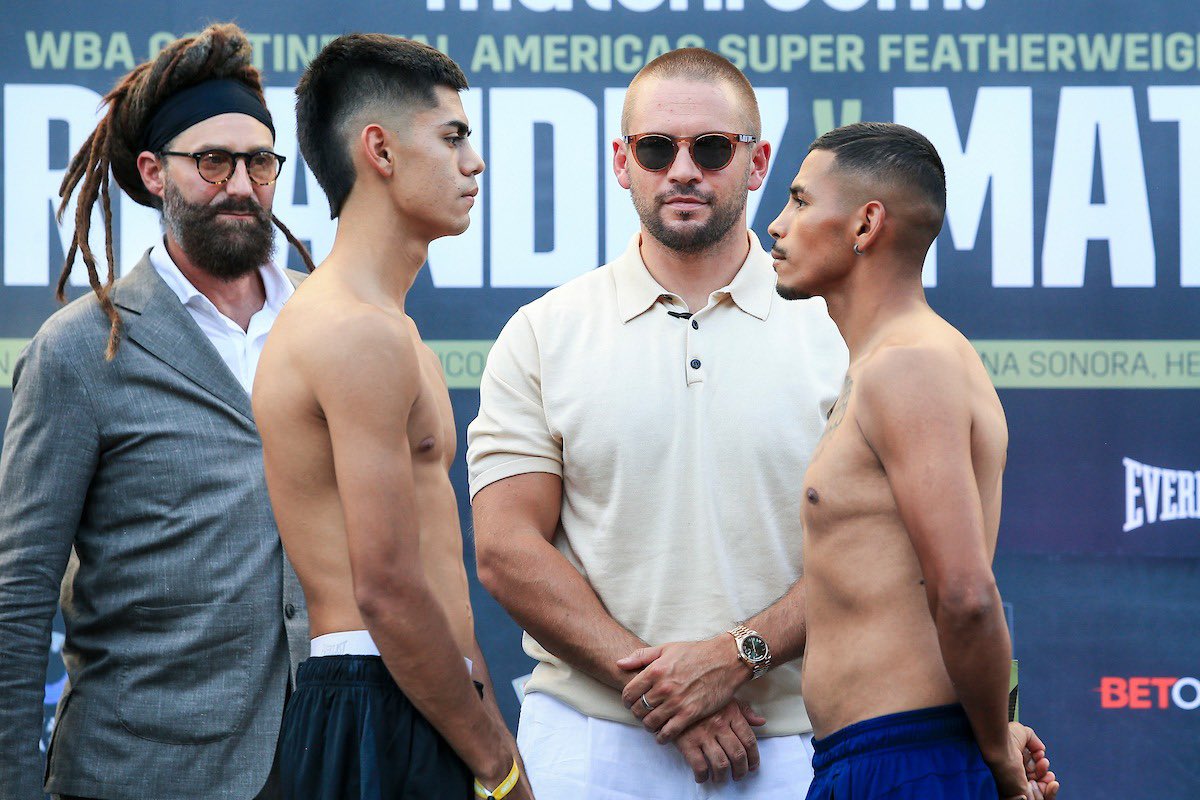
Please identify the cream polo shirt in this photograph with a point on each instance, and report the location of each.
(681, 444)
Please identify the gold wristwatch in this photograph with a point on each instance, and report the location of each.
(752, 650)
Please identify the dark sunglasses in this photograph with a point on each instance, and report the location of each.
(655, 152)
(217, 166)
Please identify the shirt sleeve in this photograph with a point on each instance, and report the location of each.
(512, 435)
(49, 457)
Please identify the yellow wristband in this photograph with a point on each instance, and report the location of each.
(502, 790)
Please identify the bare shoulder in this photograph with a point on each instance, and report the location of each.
(926, 379)
(926, 373)
(340, 342)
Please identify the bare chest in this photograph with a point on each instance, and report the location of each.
(431, 431)
(845, 484)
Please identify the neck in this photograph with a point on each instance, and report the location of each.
(377, 248)
(870, 298)
(695, 276)
(238, 299)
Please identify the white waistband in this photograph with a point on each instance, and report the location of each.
(351, 643)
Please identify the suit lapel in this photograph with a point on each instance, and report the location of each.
(158, 322)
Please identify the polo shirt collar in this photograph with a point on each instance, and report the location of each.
(752, 289)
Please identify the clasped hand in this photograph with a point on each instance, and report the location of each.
(683, 682)
(690, 686)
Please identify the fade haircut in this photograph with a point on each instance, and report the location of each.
(697, 64)
(356, 75)
(884, 152)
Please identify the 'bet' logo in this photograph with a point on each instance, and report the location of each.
(1143, 692)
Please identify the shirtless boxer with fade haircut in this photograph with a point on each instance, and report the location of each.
(358, 435)
(907, 659)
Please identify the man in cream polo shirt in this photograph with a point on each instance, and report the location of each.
(634, 469)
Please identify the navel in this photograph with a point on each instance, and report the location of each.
(426, 444)
(812, 496)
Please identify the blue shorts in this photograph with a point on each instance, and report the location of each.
(927, 754)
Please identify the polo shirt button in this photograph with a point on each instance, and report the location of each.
(695, 363)
(695, 325)
(289, 611)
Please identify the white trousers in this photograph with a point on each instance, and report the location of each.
(570, 756)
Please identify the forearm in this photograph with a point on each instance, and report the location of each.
(410, 629)
(977, 654)
(481, 673)
(550, 599)
(783, 625)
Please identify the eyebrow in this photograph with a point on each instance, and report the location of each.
(798, 188)
(459, 125)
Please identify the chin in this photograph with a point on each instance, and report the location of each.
(793, 292)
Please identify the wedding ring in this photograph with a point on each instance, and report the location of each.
(646, 704)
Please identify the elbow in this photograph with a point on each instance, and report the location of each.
(967, 601)
(489, 567)
(377, 594)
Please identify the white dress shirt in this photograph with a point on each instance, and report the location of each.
(238, 348)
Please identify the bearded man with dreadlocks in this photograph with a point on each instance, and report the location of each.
(132, 447)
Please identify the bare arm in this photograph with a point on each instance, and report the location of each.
(915, 412)
(515, 522)
(366, 402)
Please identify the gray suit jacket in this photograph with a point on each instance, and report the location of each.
(184, 622)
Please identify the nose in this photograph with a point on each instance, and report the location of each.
(239, 183)
(683, 169)
(777, 226)
(472, 163)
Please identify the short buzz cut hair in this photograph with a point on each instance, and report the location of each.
(885, 152)
(697, 64)
(357, 74)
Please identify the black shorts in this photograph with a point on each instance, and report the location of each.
(349, 733)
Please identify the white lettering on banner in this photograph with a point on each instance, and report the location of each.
(1182, 104)
(620, 218)
(1157, 494)
(707, 5)
(1177, 694)
(1106, 117)
(992, 163)
(575, 184)
(998, 154)
(31, 184)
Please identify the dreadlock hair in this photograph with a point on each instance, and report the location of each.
(219, 51)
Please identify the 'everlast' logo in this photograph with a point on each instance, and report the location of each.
(1157, 494)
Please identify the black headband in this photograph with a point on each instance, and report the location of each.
(197, 103)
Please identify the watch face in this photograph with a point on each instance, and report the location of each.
(754, 648)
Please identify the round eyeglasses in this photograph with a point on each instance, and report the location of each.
(217, 166)
(655, 152)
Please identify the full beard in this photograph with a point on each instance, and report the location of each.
(690, 238)
(225, 249)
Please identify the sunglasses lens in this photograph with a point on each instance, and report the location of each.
(712, 152)
(654, 152)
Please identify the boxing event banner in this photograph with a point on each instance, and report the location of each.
(1070, 131)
